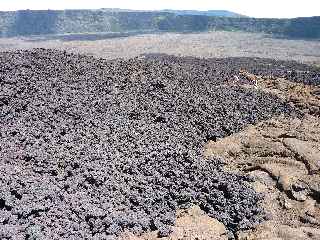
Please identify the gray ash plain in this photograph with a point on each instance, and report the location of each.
(90, 148)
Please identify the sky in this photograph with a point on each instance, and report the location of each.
(252, 8)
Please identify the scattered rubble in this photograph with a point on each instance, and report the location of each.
(92, 148)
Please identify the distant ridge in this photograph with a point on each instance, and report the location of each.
(41, 22)
(209, 13)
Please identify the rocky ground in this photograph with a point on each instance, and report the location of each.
(157, 146)
(283, 156)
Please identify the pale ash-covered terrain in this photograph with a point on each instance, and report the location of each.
(213, 44)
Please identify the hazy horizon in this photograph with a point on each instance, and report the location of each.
(251, 8)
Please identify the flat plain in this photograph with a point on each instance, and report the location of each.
(208, 45)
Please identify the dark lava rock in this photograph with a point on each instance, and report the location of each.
(224, 68)
(90, 148)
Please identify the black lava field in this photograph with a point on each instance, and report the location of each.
(90, 148)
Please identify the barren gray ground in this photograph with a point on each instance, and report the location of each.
(214, 44)
(90, 148)
(86, 144)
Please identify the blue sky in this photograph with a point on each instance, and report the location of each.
(253, 8)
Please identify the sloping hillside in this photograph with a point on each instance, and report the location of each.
(75, 21)
(29, 22)
(210, 13)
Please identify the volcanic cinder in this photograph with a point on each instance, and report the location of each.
(90, 148)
